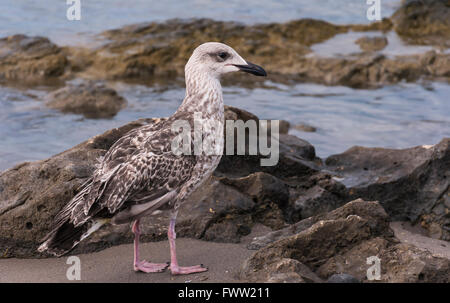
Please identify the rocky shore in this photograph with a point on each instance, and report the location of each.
(157, 52)
(314, 206)
(326, 216)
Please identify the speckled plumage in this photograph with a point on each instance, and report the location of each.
(140, 174)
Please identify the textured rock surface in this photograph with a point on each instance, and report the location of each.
(30, 59)
(369, 44)
(93, 100)
(337, 247)
(411, 184)
(424, 21)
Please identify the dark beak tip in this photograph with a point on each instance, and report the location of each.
(252, 69)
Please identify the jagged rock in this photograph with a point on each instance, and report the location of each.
(369, 210)
(341, 244)
(399, 263)
(411, 184)
(93, 100)
(30, 59)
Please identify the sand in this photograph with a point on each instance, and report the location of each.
(223, 260)
(115, 264)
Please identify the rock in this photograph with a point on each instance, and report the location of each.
(284, 127)
(336, 247)
(423, 22)
(342, 278)
(93, 100)
(305, 128)
(411, 184)
(370, 210)
(312, 246)
(290, 277)
(282, 270)
(161, 49)
(371, 69)
(30, 59)
(369, 44)
(399, 263)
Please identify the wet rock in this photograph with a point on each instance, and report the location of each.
(370, 44)
(411, 184)
(162, 49)
(30, 59)
(93, 100)
(372, 69)
(423, 22)
(342, 278)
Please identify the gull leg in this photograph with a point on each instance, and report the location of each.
(143, 265)
(174, 268)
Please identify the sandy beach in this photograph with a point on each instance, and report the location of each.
(115, 264)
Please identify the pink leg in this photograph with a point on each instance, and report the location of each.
(174, 268)
(143, 265)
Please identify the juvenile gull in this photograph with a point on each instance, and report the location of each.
(140, 174)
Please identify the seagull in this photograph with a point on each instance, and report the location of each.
(141, 173)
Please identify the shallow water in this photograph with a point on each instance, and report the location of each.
(393, 116)
(48, 17)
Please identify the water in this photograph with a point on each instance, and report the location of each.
(397, 116)
(48, 17)
(393, 116)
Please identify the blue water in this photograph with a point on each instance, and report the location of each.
(396, 116)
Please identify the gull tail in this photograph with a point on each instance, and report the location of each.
(73, 223)
(63, 239)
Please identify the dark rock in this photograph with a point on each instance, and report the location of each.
(369, 44)
(370, 211)
(411, 184)
(342, 278)
(93, 100)
(340, 245)
(30, 59)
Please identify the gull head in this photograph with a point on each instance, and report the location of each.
(215, 59)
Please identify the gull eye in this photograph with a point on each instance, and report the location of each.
(223, 55)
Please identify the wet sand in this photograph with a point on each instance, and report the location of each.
(115, 264)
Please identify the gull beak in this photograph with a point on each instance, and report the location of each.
(252, 69)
